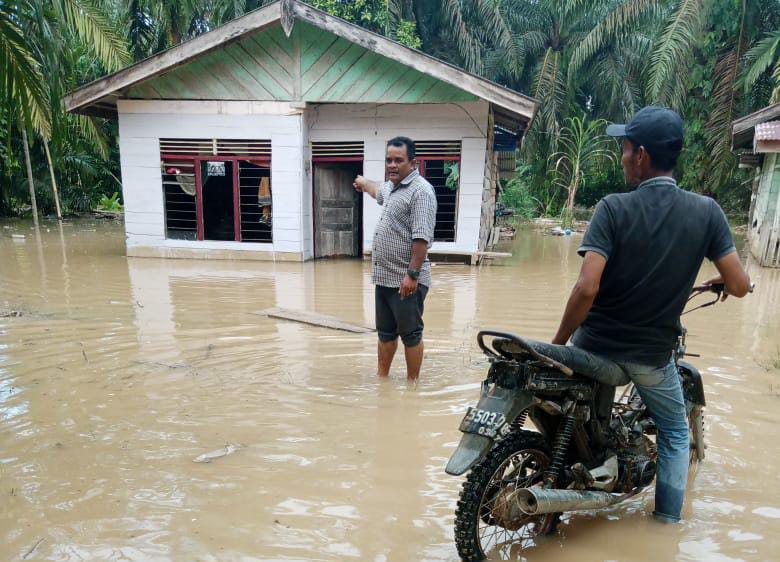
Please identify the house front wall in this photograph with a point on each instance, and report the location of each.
(141, 126)
(291, 129)
(375, 124)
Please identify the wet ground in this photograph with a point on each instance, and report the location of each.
(120, 372)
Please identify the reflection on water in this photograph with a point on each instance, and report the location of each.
(122, 371)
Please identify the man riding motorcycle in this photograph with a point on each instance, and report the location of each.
(642, 253)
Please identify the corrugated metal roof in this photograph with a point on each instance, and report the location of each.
(769, 131)
(743, 129)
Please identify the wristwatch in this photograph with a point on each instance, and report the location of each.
(413, 273)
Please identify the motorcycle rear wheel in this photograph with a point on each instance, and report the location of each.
(516, 462)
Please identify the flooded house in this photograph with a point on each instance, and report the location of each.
(244, 142)
(757, 139)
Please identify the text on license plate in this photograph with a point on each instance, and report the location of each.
(484, 422)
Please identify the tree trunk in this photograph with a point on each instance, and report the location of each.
(53, 180)
(568, 216)
(33, 202)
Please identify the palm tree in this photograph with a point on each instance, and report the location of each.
(765, 55)
(568, 54)
(732, 69)
(21, 80)
(35, 38)
(153, 26)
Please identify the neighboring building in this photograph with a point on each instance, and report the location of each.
(243, 142)
(757, 138)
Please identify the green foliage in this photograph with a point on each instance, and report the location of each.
(516, 194)
(603, 179)
(406, 33)
(584, 146)
(452, 171)
(713, 60)
(673, 54)
(110, 203)
(371, 14)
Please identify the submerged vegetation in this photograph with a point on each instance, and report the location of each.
(586, 61)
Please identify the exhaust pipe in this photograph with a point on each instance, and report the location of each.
(537, 501)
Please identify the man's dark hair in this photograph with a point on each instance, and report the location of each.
(403, 141)
(660, 159)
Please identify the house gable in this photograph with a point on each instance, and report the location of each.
(312, 65)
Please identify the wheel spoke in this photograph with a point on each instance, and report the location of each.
(521, 470)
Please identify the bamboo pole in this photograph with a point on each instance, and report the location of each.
(53, 180)
(33, 202)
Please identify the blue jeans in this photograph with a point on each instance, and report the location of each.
(661, 392)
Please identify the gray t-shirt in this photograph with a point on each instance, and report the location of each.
(655, 239)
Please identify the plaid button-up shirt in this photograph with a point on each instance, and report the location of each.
(408, 213)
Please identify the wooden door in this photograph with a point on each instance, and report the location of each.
(337, 227)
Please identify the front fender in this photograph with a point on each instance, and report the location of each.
(473, 447)
(693, 387)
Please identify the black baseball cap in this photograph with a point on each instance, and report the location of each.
(658, 129)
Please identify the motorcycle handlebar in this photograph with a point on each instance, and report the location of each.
(718, 288)
(714, 288)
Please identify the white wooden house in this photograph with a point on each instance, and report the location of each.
(243, 142)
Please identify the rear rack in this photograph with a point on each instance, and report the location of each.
(525, 347)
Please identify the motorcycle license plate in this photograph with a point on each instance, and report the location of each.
(484, 422)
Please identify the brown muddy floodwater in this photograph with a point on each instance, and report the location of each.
(120, 372)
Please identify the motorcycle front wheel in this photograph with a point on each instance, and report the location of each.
(482, 520)
(696, 424)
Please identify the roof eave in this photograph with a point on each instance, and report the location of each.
(480, 87)
(78, 100)
(84, 98)
(743, 129)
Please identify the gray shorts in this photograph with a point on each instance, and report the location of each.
(396, 317)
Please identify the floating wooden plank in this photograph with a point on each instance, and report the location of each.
(494, 254)
(314, 319)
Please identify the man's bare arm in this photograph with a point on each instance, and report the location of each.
(582, 296)
(419, 251)
(732, 275)
(366, 185)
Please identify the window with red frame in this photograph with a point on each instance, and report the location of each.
(215, 189)
(440, 160)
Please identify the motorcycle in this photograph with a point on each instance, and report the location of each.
(590, 451)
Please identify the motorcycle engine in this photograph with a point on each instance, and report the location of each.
(636, 471)
(636, 456)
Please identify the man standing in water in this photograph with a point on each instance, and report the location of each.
(642, 253)
(399, 265)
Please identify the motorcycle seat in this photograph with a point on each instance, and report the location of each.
(581, 363)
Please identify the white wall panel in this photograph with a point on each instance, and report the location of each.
(375, 125)
(143, 123)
